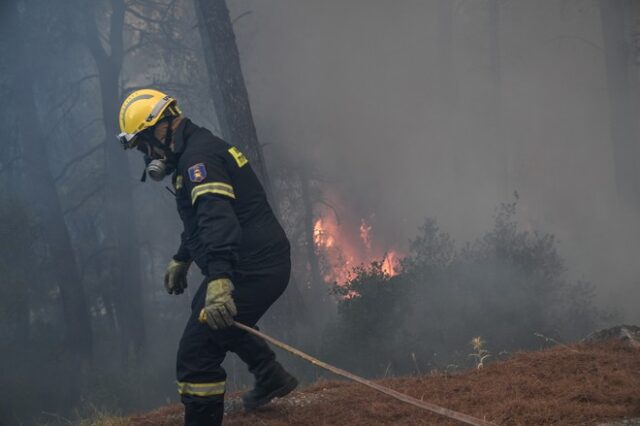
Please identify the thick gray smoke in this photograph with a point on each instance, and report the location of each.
(393, 111)
(357, 89)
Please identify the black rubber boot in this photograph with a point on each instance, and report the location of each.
(203, 411)
(272, 381)
(275, 383)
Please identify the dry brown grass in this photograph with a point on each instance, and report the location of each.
(109, 421)
(104, 419)
(562, 386)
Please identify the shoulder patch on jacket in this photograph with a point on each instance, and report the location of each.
(241, 160)
(197, 172)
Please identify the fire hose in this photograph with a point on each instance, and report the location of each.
(461, 417)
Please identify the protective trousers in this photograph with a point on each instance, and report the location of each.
(201, 378)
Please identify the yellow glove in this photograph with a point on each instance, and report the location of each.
(175, 277)
(219, 307)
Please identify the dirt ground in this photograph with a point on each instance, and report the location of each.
(578, 385)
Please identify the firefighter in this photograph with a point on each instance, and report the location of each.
(232, 235)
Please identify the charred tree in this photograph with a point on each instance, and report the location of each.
(309, 238)
(622, 112)
(317, 294)
(119, 209)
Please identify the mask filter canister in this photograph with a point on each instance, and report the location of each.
(157, 170)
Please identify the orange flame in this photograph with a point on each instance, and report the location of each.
(391, 263)
(365, 230)
(344, 248)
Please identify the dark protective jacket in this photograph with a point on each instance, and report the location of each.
(228, 223)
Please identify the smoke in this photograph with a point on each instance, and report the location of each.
(395, 107)
(358, 89)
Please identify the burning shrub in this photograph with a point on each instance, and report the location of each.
(506, 286)
(371, 306)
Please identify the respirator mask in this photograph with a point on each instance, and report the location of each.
(158, 168)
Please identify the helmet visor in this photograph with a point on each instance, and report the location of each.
(129, 140)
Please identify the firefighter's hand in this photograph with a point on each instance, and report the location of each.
(219, 307)
(175, 277)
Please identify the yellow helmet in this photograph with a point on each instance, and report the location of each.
(141, 110)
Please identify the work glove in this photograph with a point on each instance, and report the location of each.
(175, 277)
(219, 307)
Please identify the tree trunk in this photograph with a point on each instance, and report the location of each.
(233, 110)
(119, 209)
(226, 83)
(309, 237)
(618, 63)
(318, 292)
(44, 196)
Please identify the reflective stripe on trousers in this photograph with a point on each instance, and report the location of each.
(201, 389)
